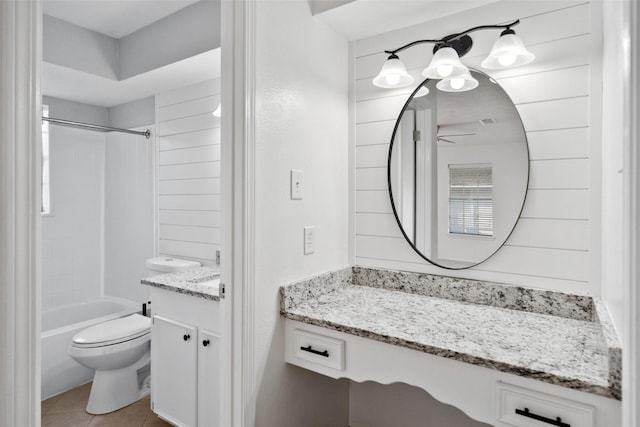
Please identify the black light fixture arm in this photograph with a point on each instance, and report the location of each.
(452, 37)
(406, 46)
(481, 27)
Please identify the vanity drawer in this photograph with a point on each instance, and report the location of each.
(318, 349)
(521, 407)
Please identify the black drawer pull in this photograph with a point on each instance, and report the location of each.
(186, 337)
(318, 352)
(557, 422)
(205, 342)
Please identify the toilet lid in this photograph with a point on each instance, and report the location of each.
(113, 331)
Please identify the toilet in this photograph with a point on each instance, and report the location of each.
(119, 351)
(116, 349)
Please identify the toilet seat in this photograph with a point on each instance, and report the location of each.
(113, 332)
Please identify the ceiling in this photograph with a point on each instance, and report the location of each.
(114, 18)
(360, 19)
(87, 88)
(117, 18)
(354, 19)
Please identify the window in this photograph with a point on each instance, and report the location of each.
(46, 179)
(471, 200)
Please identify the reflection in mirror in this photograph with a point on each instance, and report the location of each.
(458, 171)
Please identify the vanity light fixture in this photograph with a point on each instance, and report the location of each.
(423, 91)
(461, 83)
(445, 63)
(508, 51)
(393, 74)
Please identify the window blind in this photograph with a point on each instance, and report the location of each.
(471, 200)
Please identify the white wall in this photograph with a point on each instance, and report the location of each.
(141, 112)
(189, 172)
(300, 123)
(101, 228)
(76, 111)
(129, 213)
(556, 244)
(402, 405)
(72, 236)
(613, 162)
(189, 31)
(63, 41)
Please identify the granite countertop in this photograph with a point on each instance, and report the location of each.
(565, 351)
(202, 282)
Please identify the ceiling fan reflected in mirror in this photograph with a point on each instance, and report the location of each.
(447, 138)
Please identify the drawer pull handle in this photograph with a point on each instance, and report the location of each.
(318, 352)
(557, 422)
(186, 337)
(205, 343)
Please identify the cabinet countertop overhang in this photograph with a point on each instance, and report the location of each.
(562, 351)
(203, 282)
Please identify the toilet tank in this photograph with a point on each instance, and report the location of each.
(166, 264)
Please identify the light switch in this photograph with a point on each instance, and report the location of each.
(296, 184)
(309, 239)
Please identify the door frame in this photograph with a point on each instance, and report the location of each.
(631, 197)
(20, 192)
(238, 184)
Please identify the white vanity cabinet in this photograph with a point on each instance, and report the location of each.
(185, 346)
(174, 367)
(208, 378)
(484, 394)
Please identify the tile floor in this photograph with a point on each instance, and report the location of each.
(67, 410)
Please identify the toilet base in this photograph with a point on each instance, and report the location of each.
(117, 388)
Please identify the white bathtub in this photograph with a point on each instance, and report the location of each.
(59, 371)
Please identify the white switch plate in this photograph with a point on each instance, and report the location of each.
(296, 184)
(309, 239)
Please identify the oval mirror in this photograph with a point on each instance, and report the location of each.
(458, 171)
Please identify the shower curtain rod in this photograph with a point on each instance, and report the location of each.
(146, 133)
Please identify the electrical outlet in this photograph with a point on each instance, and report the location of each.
(296, 184)
(309, 239)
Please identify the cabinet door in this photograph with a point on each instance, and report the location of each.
(208, 379)
(174, 371)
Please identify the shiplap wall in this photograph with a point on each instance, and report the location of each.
(556, 244)
(189, 172)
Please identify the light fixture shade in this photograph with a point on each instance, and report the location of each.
(508, 51)
(445, 64)
(218, 111)
(393, 74)
(423, 91)
(458, 84)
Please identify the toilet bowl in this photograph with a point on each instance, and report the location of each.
(119, 350)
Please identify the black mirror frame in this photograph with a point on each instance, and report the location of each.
(393, 206)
